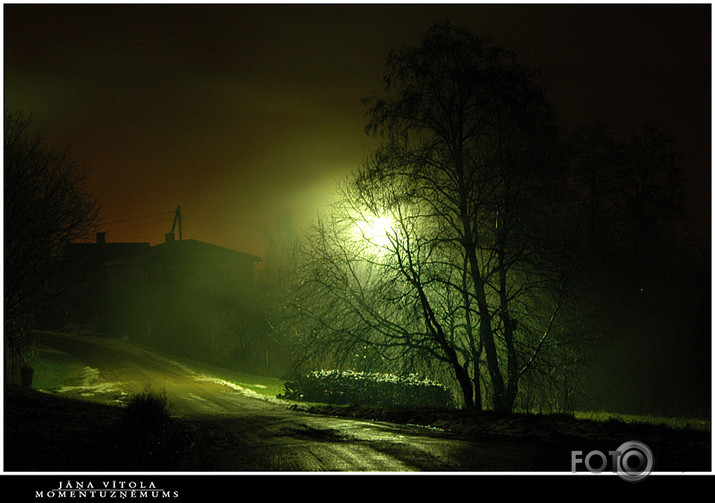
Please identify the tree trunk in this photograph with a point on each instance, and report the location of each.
(477, 387)
(437, 332)
(466, 384)
(485, 326)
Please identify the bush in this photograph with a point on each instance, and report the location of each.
(148, 411)
(368, 389)
(146, 436)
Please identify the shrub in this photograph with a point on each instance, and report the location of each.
(148, 410)
(368, 389)
(146, 436)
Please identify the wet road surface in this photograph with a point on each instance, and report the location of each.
(265, 435)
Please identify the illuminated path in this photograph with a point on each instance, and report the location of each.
(263, 435)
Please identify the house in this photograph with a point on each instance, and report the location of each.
(184, 297)
(186, 264)
(101, 270)
(82, 284)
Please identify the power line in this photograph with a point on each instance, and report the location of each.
(136, 227)
(137, 218)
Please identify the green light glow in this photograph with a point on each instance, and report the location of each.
(377, 230)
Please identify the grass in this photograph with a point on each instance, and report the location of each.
(266, 386)
(55, 370)
(677, 423)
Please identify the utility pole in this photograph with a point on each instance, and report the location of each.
(177, 217)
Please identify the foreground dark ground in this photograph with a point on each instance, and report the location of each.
(44, 432)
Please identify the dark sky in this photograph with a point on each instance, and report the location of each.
(245, 114)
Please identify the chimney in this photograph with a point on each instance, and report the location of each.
(169, 237)
(101, 238)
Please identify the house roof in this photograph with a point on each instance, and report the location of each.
(185, 249)
(98, 253)
(193, 248)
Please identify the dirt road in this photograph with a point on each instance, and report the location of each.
(268, 436)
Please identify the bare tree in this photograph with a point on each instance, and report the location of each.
(471, 277)
(369, 295)
(472, 135)
(46, 207)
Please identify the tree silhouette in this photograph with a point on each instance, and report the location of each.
(474, 271)
(475, 138)
(46, 207)
(642, 266)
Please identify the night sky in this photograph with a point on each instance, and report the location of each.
(247, 114)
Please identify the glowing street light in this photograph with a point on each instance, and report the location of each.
(377, 230)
